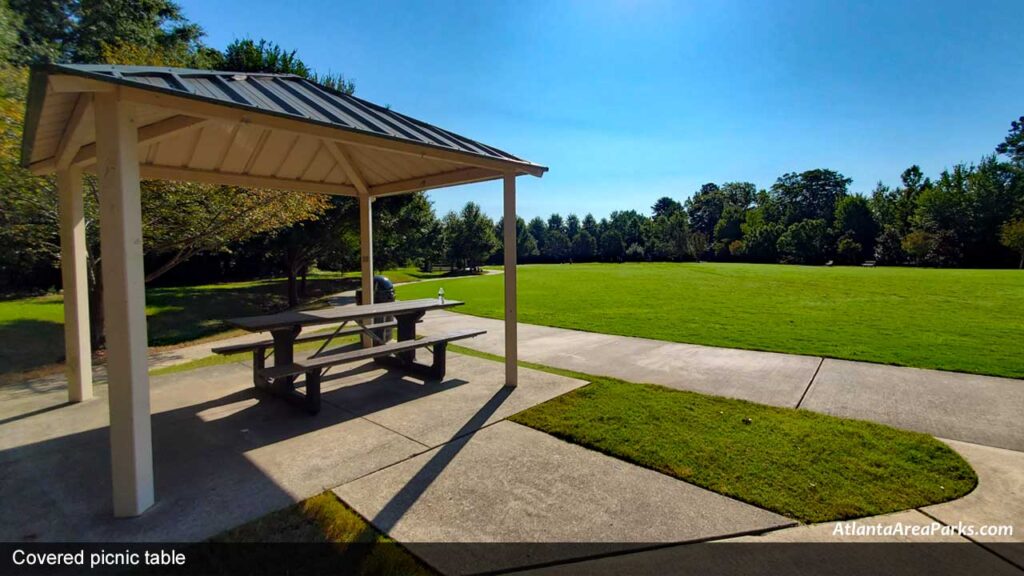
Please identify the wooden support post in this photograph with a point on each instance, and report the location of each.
(77, 349)
(124, 304)
(509, 233)
(366, 253)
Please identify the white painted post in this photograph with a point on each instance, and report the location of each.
(124, 304)
(509, 233)
(366, 253)
(77, 349)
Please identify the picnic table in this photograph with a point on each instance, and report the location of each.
(369, 320)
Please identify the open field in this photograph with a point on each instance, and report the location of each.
(960, 320)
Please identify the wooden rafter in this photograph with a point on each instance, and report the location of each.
(74, 136)
(147, 135)
(346, 163)
(452, 178)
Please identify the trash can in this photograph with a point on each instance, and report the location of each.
(383, 291)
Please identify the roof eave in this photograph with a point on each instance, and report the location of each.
(41, 74)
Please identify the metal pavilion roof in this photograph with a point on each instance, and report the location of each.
(276, 95)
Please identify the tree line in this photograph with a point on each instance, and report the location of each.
(969, 216)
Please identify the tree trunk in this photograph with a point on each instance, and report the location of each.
(1021, 265)
(96, 324)
(292, 266)
(302, 285)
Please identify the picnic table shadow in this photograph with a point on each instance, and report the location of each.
(218, 463)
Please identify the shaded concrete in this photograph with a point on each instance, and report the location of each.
(764, 377)
(998, 499)
(434, 419)
(223, 452)
(509, 483)
(979, 409)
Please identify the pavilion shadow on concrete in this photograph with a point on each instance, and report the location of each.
(241, 129)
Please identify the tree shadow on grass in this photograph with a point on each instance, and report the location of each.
(30, 343)
(175, 315)
(182, 313)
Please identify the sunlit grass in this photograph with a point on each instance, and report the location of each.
(962, 320)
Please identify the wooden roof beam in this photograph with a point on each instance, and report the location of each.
(348, 166)
(452, 178)
(148, 134)
(152, 171)
(74, 136)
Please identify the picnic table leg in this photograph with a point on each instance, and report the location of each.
(407, 331)
(284, 353)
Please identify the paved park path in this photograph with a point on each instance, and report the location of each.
(977, 409)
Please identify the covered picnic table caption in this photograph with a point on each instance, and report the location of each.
(373, 321)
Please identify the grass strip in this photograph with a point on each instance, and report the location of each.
(807, 466)
(358, 548)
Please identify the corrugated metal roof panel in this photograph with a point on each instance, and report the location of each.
(293, 96)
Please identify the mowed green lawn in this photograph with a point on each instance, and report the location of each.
(961, 320)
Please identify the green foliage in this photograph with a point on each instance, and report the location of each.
(1013, 145)
(728, 226)
(889, 248)
(805, 242)
(760, 243)
(849, 251)
(962, 320)
(612, 249)
(810, 195)
(79, 30)
(470, 237)
(584, 247)
(705, 208)
(855, 222)
(29, 245)
(264, 56)
(665, 207)
(558, 247)
(1011, 234)
(670, 236)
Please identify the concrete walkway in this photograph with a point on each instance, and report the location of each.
(978, 409)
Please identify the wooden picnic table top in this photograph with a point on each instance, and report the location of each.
(337, 314)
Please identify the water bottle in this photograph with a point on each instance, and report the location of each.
(440, 296)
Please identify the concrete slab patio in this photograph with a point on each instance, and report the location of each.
(511, 484)
(225, 454)
(967, 407)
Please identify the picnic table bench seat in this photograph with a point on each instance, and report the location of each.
(391, 353)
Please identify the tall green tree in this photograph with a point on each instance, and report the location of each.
(809, 195)
(855, 221)
(474, 241)
(1013, 145)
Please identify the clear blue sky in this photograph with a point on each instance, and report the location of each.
(630, 100)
